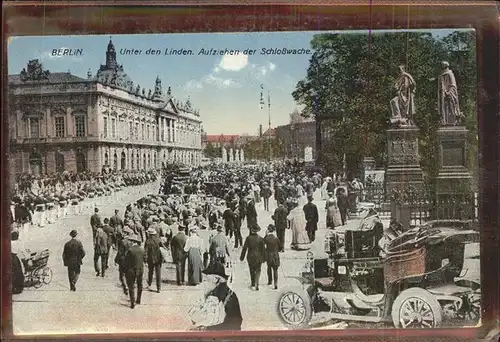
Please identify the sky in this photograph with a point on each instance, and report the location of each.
(226, 89)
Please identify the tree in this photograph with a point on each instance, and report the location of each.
(350, 83)
(211, 151)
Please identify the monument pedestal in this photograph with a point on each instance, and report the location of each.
(454, 193)
(404, 169)
(404, 159)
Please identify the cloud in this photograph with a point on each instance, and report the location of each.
(233, 62)
(211, 80)
(260, 71)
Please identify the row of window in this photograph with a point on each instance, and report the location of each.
(34, 125)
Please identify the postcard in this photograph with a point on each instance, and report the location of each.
(244, 181)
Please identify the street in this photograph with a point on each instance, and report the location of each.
(99, 305)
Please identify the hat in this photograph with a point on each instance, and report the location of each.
(271, 228)
(151, 231)
(73, 233)
(181, 226)
(255, 228)
(216, 268)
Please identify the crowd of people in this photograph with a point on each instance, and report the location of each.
(195, 220)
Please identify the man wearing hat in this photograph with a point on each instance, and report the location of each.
(281, 223)
(178, 255)
(95, 222)
(312, 218)
(134, 269)
(115, 221)
(122, 244)
(73, 255)
(254, 244)
(218, 249)
(215, 285)
(153, 257)
(251, 213)
(272, 244)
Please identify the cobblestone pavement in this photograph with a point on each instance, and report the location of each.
(99, 305)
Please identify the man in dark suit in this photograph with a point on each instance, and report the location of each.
(254, 244)
(134, 269)
(178, 254)
(272, 244)
(312, 218)
(152, 255)
(73, 255)
(95, 222)
(281, 224)
(343, 204)
(116, 222)
(251, 212)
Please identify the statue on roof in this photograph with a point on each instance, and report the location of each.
(149, 94)
(113, 79)
(138, 89)
(188, 103)
(89, 74)
(169, 91)
(143, 92)
(35, 72)
(158, 91)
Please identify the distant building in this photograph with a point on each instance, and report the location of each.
(62, 122)
(297, 135)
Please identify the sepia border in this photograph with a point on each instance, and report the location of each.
(134, 17)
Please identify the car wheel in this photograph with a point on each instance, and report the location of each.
(416, 308)
(294, 308)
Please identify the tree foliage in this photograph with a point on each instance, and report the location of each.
(350, 82)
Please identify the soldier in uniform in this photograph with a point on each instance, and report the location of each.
(95, 222)
(134, 269)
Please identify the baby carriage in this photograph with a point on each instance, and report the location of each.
(36, 271)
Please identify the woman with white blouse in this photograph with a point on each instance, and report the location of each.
(194, 249)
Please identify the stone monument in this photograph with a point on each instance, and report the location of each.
(454, 180)
(242, 155)
(403, 171)
(231, 155)
(236, 156)
(224, 155)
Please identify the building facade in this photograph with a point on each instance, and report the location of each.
(297, 136)
(60, 122)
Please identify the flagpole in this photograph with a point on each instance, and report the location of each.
(269, 108)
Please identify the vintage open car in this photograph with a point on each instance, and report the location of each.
(413, 279)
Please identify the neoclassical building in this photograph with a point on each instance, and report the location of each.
(58, 122)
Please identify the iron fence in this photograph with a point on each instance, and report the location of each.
(424, 208)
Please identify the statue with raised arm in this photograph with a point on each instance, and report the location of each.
(403, 104)
(448, 105)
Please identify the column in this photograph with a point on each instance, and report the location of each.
(165, 129)
(169, 129)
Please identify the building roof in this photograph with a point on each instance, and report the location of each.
(221, 138)
(57, 77)
(266, 133)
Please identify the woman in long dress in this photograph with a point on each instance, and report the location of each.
(333, 218)
(194, 248)
(297, 220)
(324, 189)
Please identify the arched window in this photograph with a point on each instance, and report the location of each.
(132, 161)
(115, 162)
(149, 161)
(123, 161)
(144, 161)
(106, 159)
(138, 159)
(59, 157)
